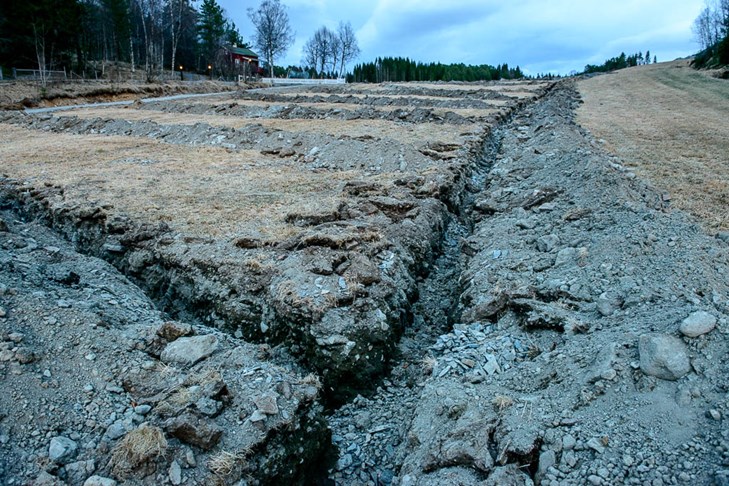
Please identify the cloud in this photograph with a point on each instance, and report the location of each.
(557, 36)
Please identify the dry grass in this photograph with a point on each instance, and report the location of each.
(502, 402)
(495, 104)
(412, 133)
(213, 192)
(136, 448)
(223, 463)
(201, 191)
(669, 122)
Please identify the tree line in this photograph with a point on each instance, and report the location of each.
(711, 29)
(621, 62)
(390, 69)
(83, 36)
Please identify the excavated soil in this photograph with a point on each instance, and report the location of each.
(16, 95)
(423, 299)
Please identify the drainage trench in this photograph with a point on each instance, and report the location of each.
(369, 420)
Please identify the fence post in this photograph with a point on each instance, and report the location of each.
(15, 74)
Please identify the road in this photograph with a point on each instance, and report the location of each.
(122, 103)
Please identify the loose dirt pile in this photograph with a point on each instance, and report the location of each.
(521, 292)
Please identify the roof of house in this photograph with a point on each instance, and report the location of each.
(242, 51)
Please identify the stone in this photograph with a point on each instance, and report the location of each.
(565, 255)
(175, 473)
(547, 243)
(344, 462)
(596, 445)
(663, 356)
(697, 324)
(196, 431)
(142, 409)
(603, 364)
(267, 404)
(568, 442)
(608, 303)
(190, 458)
(78, 472)
(547, 459)
(509, 475)
(714, 414)
(24, 355)
(99, 481)
(257, 416)
(190, 350)
(62, 450)
(569, 458)
(116, 430)
(47, 479)
(15, 337)
(208, 406)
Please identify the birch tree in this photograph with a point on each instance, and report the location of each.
(348, 46)
(272, 31)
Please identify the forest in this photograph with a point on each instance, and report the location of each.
(621, 62)
(390, 69)
(81, 37)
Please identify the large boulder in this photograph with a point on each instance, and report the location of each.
(663, 356)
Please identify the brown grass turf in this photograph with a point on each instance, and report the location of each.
(669, 122)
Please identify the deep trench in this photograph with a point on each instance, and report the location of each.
(432, 311)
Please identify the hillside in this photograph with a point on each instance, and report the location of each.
(668, 122)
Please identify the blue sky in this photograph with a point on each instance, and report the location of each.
(540, 36)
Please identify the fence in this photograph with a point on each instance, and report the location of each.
(288, 81)
(36, 74)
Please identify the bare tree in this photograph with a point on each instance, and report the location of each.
(712, 23)
(272, 30)
(39, 33)
(348, 46)
(175, 8)
(321, 51)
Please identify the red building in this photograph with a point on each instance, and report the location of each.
(240, 56)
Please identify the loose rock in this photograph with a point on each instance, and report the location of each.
(663, 356)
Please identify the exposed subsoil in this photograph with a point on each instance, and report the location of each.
(17, 95)
(534, 314)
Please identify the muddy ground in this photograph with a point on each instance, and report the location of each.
(403, 284)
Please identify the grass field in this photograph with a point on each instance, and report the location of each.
(220, 192)
(671, 124)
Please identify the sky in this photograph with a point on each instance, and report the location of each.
(540, 36)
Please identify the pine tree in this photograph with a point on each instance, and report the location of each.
(211, 28)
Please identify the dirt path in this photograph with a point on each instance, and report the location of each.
(159, 99)
(668, 122)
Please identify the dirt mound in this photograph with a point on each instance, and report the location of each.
(25, 94)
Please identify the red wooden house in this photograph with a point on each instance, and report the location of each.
(240, 56)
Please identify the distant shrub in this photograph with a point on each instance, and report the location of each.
(713, 56)
(722, 51)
